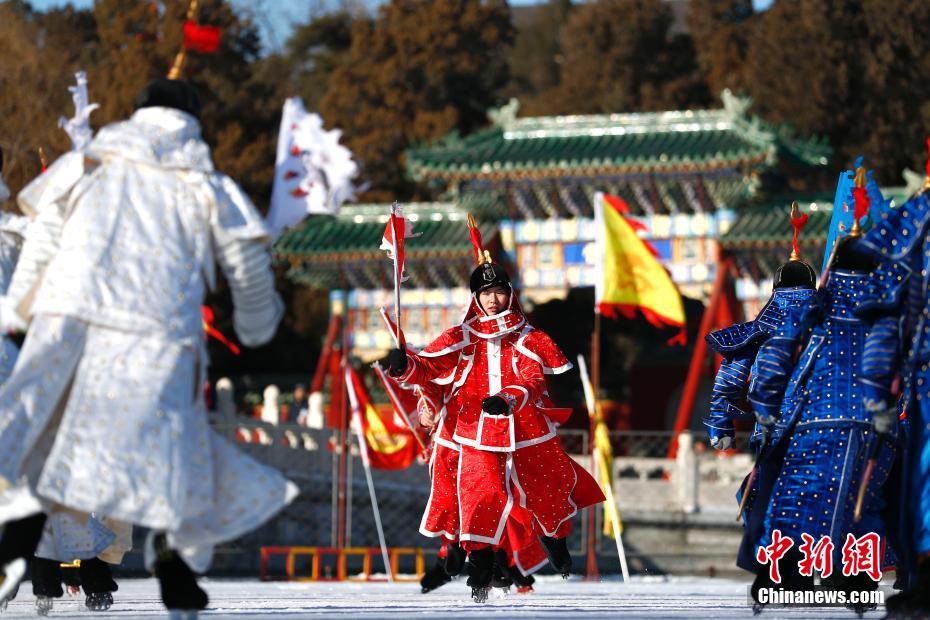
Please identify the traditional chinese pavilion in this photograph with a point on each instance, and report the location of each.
(530, 182)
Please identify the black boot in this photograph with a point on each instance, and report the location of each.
(46, 578)
(480, 572)
(500, 576)
(559, 557)
(46, 583)
(434, 577)
(17, 545)
(98, 584)
(915, 601)
(455, 559)
(177, 582)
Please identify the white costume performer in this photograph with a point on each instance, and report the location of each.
(117, 261)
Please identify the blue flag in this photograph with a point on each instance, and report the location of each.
(842, 218)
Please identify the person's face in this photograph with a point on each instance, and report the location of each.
(299, 393)
(494, 300)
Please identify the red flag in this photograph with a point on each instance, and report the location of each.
(201, 39)
(398, 228)
(384, 443)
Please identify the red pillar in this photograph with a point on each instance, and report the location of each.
(698, 362)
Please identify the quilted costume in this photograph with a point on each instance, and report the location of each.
(899, 286)
(739, 344)
(821, 381)
(822, 422)
(441, 516)
(793, 285)
(510, 458)
(110, 368)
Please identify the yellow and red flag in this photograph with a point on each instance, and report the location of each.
(629, 277)
(385, 442)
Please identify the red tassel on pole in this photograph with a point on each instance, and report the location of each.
(797, 222)
(201, 39)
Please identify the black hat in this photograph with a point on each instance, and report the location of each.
(795, 273)
(166, 93)
(488, 275)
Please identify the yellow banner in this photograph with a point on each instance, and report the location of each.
(631, 278)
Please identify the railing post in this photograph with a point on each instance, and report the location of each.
(687, 473)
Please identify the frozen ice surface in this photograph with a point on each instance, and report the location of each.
(644, 597)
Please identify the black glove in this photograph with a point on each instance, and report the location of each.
(396, 362)
(495, 405)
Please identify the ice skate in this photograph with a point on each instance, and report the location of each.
(44, 605)
(99, 601)
(480, 573)
(557, 552)
(479, 594)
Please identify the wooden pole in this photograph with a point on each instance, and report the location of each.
(592, 573)
(343, 436)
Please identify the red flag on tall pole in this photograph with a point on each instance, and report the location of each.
(397, 230)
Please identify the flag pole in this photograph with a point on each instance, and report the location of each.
(608, 489)
(398, 267)
(363, 449)
(592, 571)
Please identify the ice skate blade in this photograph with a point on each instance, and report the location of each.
(183, 614)
(13, 573)
(44, 605)
(757, 608)
(524, 589)
(480, 594)
(101, 601)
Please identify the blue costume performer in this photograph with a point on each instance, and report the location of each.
(820, 408)
(900, 286)
(738, 344)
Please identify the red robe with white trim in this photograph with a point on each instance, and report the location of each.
(441, 516)
(513, 459)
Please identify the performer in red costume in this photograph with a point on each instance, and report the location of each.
(495, 364)
(520, 553)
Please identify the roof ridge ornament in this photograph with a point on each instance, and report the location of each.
(505, 116)
(735, 105)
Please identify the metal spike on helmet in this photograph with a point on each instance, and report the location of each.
(482, 256)
(487, 274)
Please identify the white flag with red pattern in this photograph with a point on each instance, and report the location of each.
(397, 230)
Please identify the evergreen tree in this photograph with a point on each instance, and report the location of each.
(620, 56)
(721, 30)
(421, 69)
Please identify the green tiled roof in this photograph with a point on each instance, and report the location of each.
(336, 251)
(682, 141)
(358, 230)
(769, 225)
